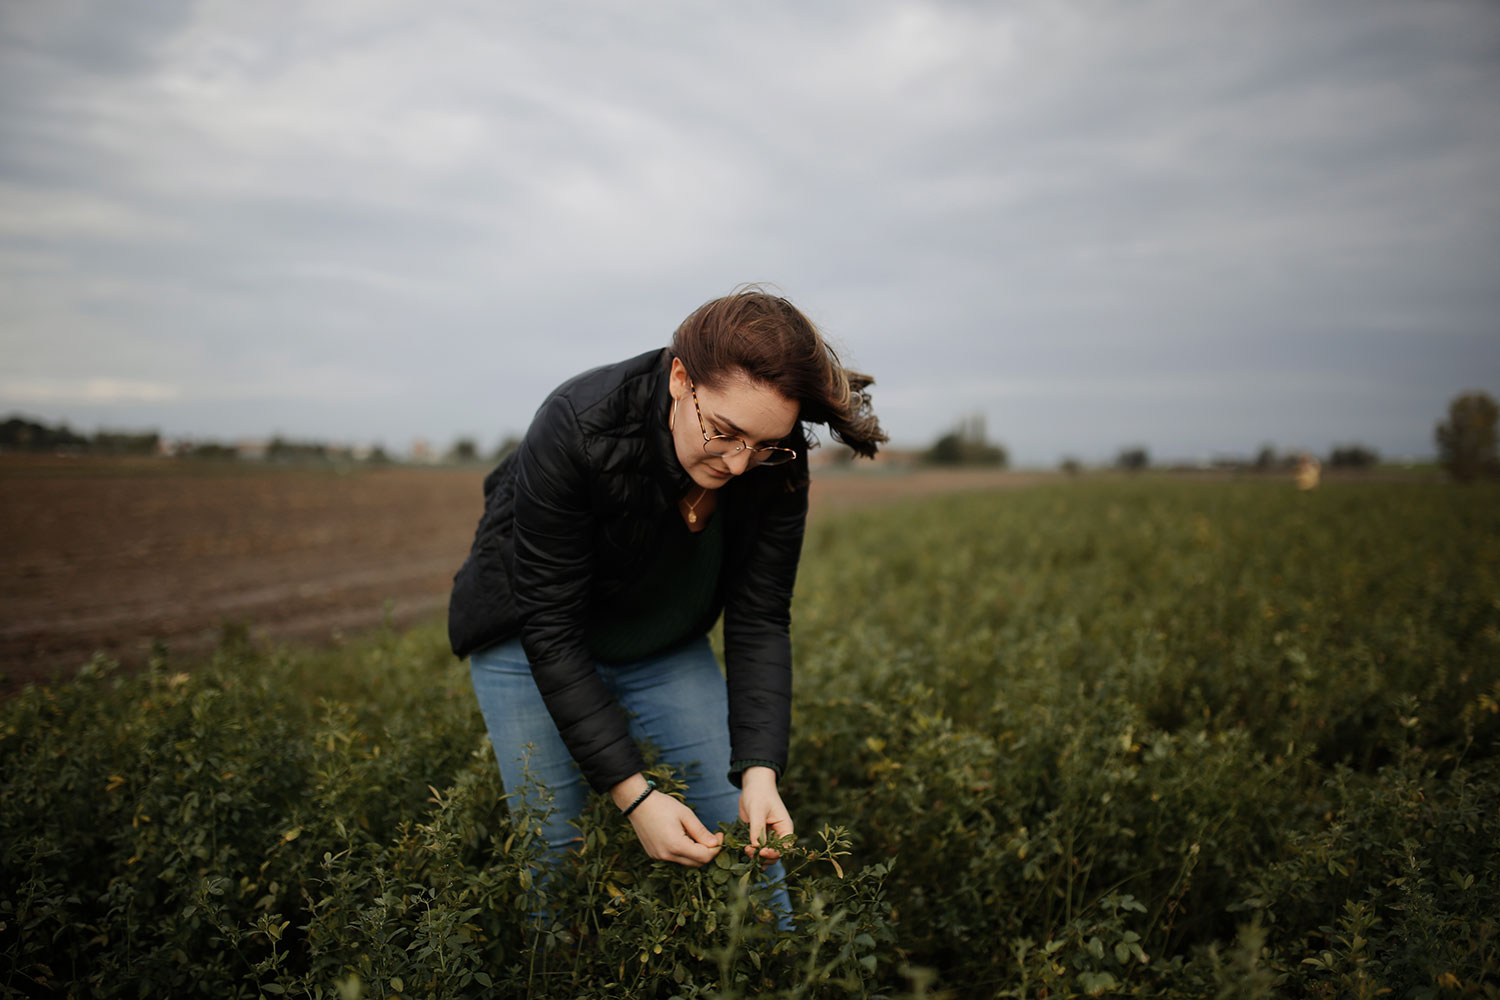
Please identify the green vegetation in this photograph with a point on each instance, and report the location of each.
(1353, 456)
(1146, 738)
(20, 434)
(1467, 439)
(967, 444)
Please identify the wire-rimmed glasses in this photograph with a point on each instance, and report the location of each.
(728, 445)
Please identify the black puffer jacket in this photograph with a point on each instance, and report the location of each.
(570, 517)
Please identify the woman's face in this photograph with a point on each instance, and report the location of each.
(751, 411)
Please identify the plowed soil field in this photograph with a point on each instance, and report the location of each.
(109, 556)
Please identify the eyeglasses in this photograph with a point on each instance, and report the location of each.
(726, 445)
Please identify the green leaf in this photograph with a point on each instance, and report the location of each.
(1095, 983)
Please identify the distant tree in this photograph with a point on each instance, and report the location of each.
(211, 451)
(508, 444)
(19, 434)
(1071, 466)
(463, 450)
(1133, 459)
(967, 444)
(947, 450)
(378, 456)
(284, 450)
(1265, 459)
(1352, 456)
(1466, 440)
(126, 443)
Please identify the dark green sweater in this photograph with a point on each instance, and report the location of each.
(670, 601)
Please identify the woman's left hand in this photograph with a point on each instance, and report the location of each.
(761, 807)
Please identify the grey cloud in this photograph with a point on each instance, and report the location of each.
(120, 40)
(442, 213)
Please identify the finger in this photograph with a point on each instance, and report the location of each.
(694, 828)
(757, 831)
(779, 826)
(694, 855)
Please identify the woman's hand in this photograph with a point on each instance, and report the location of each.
(667, 829)
(761, 807)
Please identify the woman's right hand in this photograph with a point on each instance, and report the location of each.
(669, 830)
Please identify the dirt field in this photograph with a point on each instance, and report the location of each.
(109, 555)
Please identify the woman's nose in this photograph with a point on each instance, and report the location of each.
(739, 461)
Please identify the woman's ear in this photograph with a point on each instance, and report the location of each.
(678, 381)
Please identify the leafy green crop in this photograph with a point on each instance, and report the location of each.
(1145, 738)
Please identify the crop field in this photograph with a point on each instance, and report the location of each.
(1148, 737)
(119, 554)
(113, 554)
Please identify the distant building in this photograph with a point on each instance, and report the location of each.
(253, 449)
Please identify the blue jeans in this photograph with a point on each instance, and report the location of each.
(678, 701)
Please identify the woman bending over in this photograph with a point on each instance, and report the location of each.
(647, 498)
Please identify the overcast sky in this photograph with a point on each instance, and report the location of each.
(1194, 226)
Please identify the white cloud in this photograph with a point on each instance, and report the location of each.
(88, 391)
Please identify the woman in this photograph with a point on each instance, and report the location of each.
(647, 497)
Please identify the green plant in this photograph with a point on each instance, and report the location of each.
(1103, 738)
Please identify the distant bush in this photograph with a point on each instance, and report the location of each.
(125, 443)
(19, 434)
(950, 449)
(1133, 459)
(210, 451)
(1353, 456)
(463, 450)
(282, 449)
(968, 444)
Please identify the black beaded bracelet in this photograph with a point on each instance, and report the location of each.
(650, 787)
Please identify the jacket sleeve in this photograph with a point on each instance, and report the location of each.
(757, 636)
(554, 532)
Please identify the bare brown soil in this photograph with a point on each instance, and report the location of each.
(111, 555)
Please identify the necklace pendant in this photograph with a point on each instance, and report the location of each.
(692, 518)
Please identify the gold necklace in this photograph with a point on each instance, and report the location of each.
(692, 513)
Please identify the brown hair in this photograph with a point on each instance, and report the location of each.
(754, 334)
